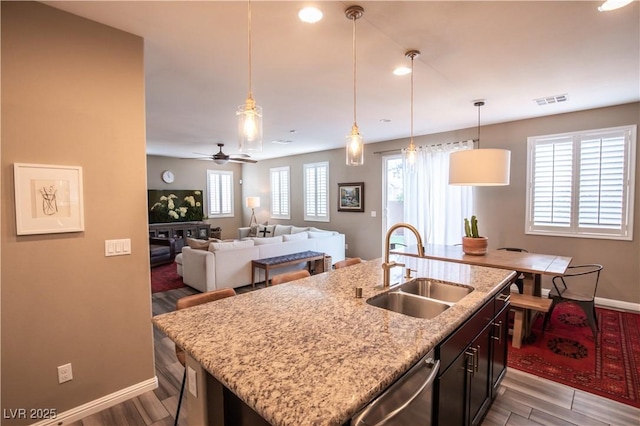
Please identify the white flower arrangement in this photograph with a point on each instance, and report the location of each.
(187, 206)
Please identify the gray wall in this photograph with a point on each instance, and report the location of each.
(501, 209)
(73, 94)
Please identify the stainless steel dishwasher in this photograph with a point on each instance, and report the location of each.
(407, 402)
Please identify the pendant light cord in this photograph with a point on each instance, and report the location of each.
(479, 104)
(412, 57)
(354, 68)
(249, 45)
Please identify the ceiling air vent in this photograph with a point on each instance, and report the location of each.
(552, 99)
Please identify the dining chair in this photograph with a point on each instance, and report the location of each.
(187, 302)
(290, 276)
(519, 282)
(347, 262)
(578, 285)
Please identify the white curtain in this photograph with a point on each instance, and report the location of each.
(434, 207)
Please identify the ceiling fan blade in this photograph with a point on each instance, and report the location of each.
(208, 157)
(242, 160)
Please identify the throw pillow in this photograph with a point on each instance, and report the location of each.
(295, 237)
(233, 245)
(265, 231)
(297, 229)
(268, 240)
(282, 230)
(201, 244)
(253, 231)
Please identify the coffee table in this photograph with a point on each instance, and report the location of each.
(269, 263)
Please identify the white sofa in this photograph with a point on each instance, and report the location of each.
(228, 264)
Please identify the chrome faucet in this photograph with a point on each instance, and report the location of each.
(386, 266)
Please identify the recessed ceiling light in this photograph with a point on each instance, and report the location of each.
(402, 71)
(310, 15)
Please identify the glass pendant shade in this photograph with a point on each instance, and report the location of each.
(480, 167)
(355, 147)
(410, 157)
(250, 126)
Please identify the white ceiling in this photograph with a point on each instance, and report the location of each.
(507, 52)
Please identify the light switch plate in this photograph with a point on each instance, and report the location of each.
(117, 247)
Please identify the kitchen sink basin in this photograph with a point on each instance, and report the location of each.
(408, 304)
(443, 291)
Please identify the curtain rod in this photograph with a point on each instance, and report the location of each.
(435, 144)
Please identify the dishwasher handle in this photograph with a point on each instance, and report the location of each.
(428, 382)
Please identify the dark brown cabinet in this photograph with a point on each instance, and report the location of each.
(179, 231)
(473, 360)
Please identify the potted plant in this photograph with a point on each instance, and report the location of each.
(472, 242)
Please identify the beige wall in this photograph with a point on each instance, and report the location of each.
(501, 209)
(73, 94)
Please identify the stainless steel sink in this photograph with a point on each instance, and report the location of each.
(440, 290)
(408, 304)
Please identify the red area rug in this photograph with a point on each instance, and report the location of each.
(567, 353)
(165, 277)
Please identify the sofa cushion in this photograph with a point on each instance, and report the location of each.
(313, 234)
(231, 245)
(201, 244)
(295, 237)
(282, 230)
(268, 240)
(298, 229)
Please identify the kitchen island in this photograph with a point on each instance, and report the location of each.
(309, 352)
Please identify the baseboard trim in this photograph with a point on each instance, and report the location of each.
(100, 404)
(610, 303)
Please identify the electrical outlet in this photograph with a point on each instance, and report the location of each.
(64, 373)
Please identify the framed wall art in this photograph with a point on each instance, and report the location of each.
(351, 197)
(48, 199)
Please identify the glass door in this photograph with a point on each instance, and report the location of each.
(392, 197)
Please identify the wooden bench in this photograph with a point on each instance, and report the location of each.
(521, 303)
(315, 259)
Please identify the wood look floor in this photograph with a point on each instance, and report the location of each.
(523, 399)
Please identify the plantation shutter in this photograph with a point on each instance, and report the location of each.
(581, 184)
(316, 192)
(552, 183)
(220, 193)
(280, 204)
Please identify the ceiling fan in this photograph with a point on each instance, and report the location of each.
(222, 158)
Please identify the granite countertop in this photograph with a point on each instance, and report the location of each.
(310, 353)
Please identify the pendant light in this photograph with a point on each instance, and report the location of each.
(355, 145)
(410, 153)
(249, 114)
(479, 167)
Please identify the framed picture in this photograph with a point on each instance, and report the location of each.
(351, 197)
(48, 199)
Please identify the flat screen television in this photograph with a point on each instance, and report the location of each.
(178, 205)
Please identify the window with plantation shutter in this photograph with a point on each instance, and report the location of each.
(582, 184)
(220, 193)
(316, 192)
(280, 204)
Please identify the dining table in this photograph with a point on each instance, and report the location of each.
(531, 265)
